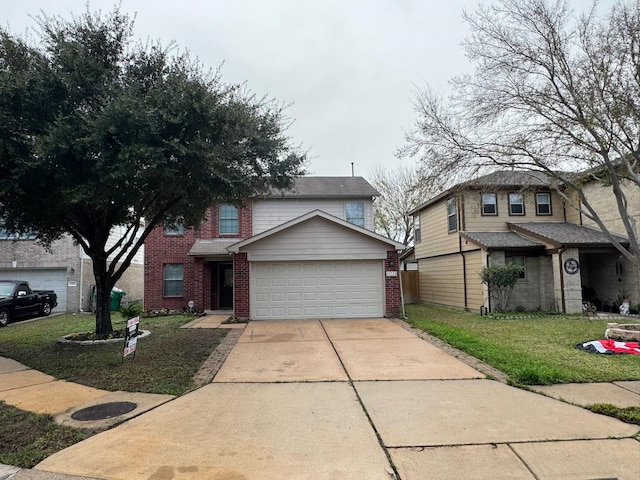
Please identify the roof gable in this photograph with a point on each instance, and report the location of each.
(391, 244)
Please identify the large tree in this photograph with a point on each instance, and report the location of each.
(551, 91)
(98, 131)
(401, 190)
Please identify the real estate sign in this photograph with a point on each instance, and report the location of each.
(131, 337)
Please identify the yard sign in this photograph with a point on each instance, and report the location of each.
(131, 337)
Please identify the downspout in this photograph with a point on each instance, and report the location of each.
(464, 259)
(81, 278)
(488, 288)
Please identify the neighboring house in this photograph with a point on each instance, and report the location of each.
(309, 252)
(64, 268)
(513, 217)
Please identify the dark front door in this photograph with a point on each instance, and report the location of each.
(225, 285)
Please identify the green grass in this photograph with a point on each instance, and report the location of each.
(537, 350)
(28, 438)
(628, 414)
(165, 362)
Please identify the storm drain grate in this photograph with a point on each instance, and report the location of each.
(104, 411)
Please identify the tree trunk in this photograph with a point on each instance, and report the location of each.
(103, 296)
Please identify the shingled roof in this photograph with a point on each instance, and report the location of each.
(562, 234)
(500, 240)
(323, 187)
(502, 180)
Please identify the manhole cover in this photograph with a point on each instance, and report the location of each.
(103, 411)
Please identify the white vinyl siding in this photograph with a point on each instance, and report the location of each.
(270, 213)
(317, 239)
(310, 290)
(42, 279)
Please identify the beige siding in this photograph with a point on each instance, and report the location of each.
(474, 221)
(572, 214)
(435, 239)
(475, 290)
(442, 281)
(269, 213)
(603, 201)
(316, 239)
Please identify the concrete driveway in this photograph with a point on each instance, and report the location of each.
(355, 399)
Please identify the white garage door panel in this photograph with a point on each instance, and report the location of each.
(293, 290)
(46, 279)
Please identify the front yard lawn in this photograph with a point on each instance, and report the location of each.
(165, 361)
(534, 350)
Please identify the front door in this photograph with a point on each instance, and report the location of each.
(225, 285)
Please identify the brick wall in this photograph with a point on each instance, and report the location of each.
(161, 249)
(392, 284)
(241, 281)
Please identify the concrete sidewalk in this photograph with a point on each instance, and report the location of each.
(362, 399)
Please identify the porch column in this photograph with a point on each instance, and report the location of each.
(567, 281)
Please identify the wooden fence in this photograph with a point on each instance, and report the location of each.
(410, 288)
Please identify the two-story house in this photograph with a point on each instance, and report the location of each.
(64, 268)
(309, 252)
(512, 217)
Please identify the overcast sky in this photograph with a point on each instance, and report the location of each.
(349, 69)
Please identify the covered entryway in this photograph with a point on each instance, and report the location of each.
(320, 289)
(42, 279)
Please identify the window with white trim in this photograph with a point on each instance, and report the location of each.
(516, 204)
(173, 280)
(543, 203)
(489, 204)
(416, 229)
(228, 220)
(355, 213)
(452, 217)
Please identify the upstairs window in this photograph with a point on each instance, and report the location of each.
(489, 204)
(543, 203)
(173, 280)
(452, 217)
(516, 204)
(416, 229)
(355, 213)
(228, 219)
(175, 229)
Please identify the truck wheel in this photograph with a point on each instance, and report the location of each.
(4, 317)
(46, 309)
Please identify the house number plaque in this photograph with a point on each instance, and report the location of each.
(571, 266)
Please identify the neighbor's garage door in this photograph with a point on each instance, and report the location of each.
(299, 290)
(45, 279)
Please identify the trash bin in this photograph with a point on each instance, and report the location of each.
(116, 298)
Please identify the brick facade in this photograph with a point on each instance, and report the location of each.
(199, 276)
(241, 301)
(392, 284)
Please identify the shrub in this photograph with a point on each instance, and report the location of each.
(130, 311)
(500, 279)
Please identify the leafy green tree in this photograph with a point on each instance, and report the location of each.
(98, 131)
(500, 279)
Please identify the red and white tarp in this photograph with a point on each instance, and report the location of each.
(610, 347)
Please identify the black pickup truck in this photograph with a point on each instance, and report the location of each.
(18, 300)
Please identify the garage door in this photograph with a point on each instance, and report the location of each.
(299, 290)
(46, 279)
